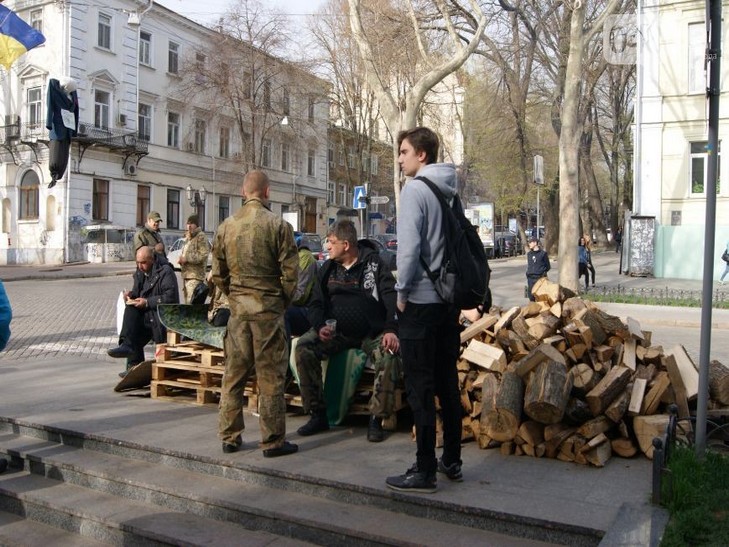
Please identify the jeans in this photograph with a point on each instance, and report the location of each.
(429, 344)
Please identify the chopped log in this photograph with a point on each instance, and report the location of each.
(557, 341)
(485, 356)
(687, 369)
(541, 353)
(546, 325)
(653, 397)
(547, 392)
(607, 389)
(518, 451)
(478, 382)
(653, 355)
(506, 319)
(648, 428)
(597, 453)
(507, 448)
(545, 290)
(467, 433)
(624, 447)
(634, 328)
(489, 387)
(647, 372)
(522, 330)
(616, 410)
(592, 319)
(554, 444)
(629, 353)
(571, 307)
(532, 432)
(552, 430)
(603, 353)
(531, 309)
(595, 427)
(476, 412)
(636, 395)
(679, 390)
(577, 412)
(618, 354)
(719, 382)
(477, 327)
(583, 379)
(556, 309)
(502, 422)
(466, 402)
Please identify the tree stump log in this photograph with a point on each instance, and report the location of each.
(502, 423)
(547, 392)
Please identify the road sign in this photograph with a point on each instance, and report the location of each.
(379, 200)
(358, 199)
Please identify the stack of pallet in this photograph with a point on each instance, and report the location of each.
(192, 372)
(561, 378)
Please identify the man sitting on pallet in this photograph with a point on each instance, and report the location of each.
(355, 288)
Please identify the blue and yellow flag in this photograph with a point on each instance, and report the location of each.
(16, 37)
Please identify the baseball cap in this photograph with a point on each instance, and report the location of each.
(154, 215)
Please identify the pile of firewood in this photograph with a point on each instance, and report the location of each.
(563, 379)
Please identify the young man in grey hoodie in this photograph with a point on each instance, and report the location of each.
(428, 327)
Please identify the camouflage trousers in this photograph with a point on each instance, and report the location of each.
(310, 351)
(260, 347)
(188, 287)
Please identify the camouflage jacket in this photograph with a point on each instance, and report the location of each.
(255, 262)
(146, 238)
(195, 251)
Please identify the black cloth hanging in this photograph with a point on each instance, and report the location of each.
(60, 103)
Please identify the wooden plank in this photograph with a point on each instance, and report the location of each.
(485, 356)
(478, 327)
(653, 397)
(629, 353)
(687, 370)
(636, 396)
(634, 328)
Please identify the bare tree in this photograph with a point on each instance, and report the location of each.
(401, 72)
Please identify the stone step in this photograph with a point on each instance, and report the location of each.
(116, 520)
(254, 500)
(16, 531)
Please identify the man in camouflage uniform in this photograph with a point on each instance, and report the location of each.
(255, 264)
(149, 236)
(194, 257)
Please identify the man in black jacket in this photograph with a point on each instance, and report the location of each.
(355, 288)
(155, 283)
(537, 265)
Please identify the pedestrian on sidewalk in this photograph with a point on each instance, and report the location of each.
(255, 264)
(588, 247)
(428, 327)
(149, 235)
(618, 240)
(582, 260)
(194, 257)
(356, 289)
(537, 265)
(725, 258)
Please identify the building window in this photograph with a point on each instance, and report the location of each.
(311, 163)
(143, 201)
(699, 157)
(102, 102)
(365, 163)
(266, 159)
(267, 95)
(100, 200)
(330, 192)
(36, 20)
(330, 154)
(34, 100)
(342, 194)
(173, 58)
(173, 129)
(341, 156)
(312, 108)
(223, 208)
(200, 131)
(224, 144)
(374, 164)
(172, 220)
(351, 161)
(104, 37)
(285, 156)
(29, 196)
(286, 106)
(696, 52)
(145, 47)
(144, 122)
(200, 60)
(247, 85)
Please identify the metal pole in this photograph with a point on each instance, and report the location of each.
(713, 53)
(538, 223)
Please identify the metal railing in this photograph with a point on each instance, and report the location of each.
(658, 294)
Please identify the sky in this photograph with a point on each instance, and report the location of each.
(210, 10)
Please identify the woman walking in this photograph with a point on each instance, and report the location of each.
(725, 258)
(588, 248)
(582, 262)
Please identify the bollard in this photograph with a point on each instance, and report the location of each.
(658, 463)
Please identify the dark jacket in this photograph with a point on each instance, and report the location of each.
(537, 263)
(377, 286)
(159, 287)
(58, 100)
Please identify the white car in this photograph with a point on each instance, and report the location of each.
(175, 251)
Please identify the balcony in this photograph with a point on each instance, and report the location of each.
(13, 137)
(124, 142)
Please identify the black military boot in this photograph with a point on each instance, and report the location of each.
(316, 424)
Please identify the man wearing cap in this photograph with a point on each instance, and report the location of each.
(149, 236)
(194, 257)
(537, 265)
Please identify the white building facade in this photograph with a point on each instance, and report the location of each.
(143, 144)
(671, 139)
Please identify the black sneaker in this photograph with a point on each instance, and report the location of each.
(124, 350)
(316, 424)
(413, 481)
(452, 471)
(284, 450)
(375, 434)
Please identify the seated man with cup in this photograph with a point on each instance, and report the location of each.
(353, 306)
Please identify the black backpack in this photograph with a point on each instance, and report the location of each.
(463, 278)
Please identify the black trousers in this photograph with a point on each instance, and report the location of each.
(582, 272)
(135, 332)
(429, 344)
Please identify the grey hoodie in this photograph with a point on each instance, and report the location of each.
(420, 233)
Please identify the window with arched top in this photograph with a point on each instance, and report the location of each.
(29, 196)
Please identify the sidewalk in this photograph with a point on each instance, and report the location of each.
(65, 271)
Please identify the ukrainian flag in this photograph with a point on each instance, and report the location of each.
(16, 37)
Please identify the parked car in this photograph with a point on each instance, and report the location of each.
(175, 251)
(507, 244)
(388, 240)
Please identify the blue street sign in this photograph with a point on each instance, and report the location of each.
(358, 199)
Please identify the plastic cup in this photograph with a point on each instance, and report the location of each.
(332, 324)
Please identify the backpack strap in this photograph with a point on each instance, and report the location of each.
(444, 207)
